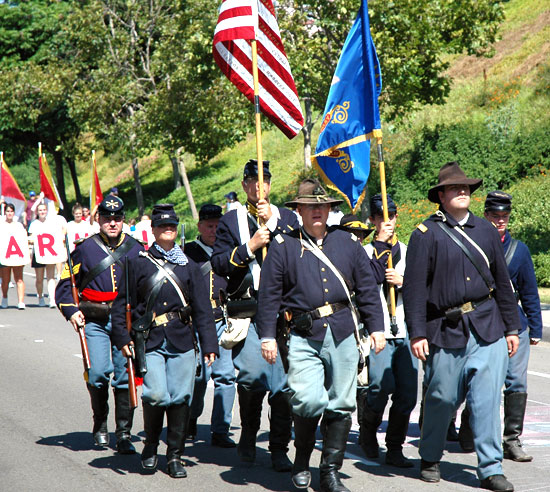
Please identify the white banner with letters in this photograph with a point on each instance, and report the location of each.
(14, 246)
(49, 248)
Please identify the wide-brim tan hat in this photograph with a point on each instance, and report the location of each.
(451, 174)
(310, 191)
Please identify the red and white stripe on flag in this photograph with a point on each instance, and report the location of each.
(233, 54)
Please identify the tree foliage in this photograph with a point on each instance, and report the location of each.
(36, 80)
(413, 41)
(140, 75)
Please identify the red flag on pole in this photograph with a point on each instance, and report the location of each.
(96, 196)
(47, 185)
(239, 22)
(9, 189)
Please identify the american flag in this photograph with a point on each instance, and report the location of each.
(239, 22)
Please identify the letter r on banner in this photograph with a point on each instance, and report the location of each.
(46, 242)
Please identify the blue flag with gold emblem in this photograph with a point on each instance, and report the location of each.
(352, 117)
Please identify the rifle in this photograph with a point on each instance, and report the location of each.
(81, 334)
(132, 390)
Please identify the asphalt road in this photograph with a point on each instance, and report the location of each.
(45, 423)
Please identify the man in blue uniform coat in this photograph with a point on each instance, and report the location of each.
(98, 264)
(498, 206)
(463, 321)
(309, 274)
(222, 370)
(166, 291)
(241, 237)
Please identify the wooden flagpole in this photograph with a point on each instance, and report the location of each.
(258, 118)
(257, 112)
(382, 168)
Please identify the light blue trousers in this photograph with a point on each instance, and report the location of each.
(255, 374)
(322, 376)
(222, 372)
(475, 372)
(170, 376)
(393, 371)
(105, 358)
(516, 376)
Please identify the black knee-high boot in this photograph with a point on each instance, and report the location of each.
(335, 435)
(250, 406)
(177, 417)
(153, 417)
(279, 431)
(398, 423)
(514, 413)
(100, 408)
(124, 417)
(304, 442)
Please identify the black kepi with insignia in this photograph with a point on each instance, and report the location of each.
(498, 201)
(111, 206)
(164, 213)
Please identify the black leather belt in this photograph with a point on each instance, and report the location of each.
(323, 311)
(455, 313)
(165, 318)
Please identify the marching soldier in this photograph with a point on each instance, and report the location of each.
(222, 370)
(498, 207)
(309, 274)
(240, 239)
(99, 267)
(394, 371)
(463, 321)
(166, 293)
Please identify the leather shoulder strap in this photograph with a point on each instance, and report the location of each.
(167, 270)
(511, 251)
(467, 252)
(110, 259)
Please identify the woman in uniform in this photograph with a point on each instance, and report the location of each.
(166, 292)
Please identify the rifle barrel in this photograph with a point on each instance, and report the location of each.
(132, 390)
(81, 334)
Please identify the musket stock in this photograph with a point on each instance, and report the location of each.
(76, 300)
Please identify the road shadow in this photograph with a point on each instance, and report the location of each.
(232, 470)
(82, 441)
(74, 441)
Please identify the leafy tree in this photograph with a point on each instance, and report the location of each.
(412, 39)
(35, 81)
(151, 80)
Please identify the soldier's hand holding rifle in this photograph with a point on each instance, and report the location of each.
(128, 350)
(77, 320)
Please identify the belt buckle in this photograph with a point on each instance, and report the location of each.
(325, 310)
(161, 320)
(467, 308)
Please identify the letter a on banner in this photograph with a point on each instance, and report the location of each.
(14, 248)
